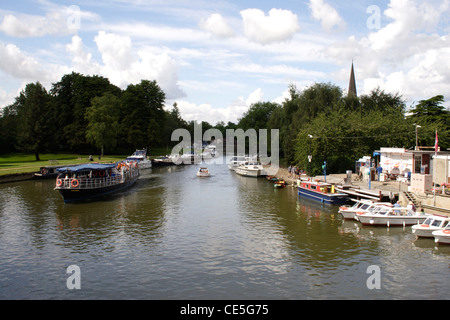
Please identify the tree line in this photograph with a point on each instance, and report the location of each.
(89, 115)
(327, 125)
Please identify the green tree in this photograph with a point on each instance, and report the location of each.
(103, 121)
(72, 96)
(432, 116)
(142, 114)
(33, 114)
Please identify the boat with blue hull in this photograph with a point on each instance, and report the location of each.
(321, 191)
(87, 181)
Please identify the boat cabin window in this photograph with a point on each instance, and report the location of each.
(436, 223)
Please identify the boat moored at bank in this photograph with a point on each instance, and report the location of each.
(87, 181)
(442, 236)
(432, 223)
(392, 217)
(321, 191)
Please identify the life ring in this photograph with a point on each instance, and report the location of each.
(59, 183)
(446, 231)
(101, 173)
(75, 183)
(425, 225)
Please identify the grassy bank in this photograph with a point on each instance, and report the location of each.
(15, 163)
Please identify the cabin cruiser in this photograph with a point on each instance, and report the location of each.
(391, 216)
(432, 223)
(235, 161)
(140, 156)
(251, 168)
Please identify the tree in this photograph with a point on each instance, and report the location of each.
(32, 107)
(103, 121)
(432, 116)
(142, 114)
(73, 95)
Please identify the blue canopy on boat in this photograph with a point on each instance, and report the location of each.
(88, 166)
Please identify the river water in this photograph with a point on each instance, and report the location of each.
(175, 236)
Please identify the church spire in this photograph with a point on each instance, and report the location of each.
(352, 84)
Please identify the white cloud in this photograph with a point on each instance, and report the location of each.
(59, 20)
(280, 25)
(217, 25)
(326, 14)
(406, 55)
(211, 114)
(122, 65)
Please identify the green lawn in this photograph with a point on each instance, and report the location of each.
(24, 163)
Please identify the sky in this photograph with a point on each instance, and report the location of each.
(217, 58)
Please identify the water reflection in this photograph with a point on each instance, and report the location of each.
(174, 236)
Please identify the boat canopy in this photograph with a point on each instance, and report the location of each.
(87, 166)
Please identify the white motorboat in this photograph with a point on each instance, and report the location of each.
(140, 156)
(442, 236)
(251, 169)
(431, 224)
(236, 161)
(361, 206)
(391, 216)
(203, 172)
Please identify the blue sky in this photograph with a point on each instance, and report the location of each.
(216, 58)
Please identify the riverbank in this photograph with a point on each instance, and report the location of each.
(439, 204)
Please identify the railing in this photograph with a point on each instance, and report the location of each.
(93, 183)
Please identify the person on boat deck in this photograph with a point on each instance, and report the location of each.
(411, 206)
(397, 205)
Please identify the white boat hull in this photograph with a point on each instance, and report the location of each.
(249, 172)
(390, 221)
(441, 237)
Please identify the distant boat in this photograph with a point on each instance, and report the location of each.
(140, 156)
(163, 162)
(321, 191)
(91, 180)
(236, 161)
(47, 172)
(203, 172)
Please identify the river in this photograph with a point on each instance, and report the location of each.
(176, 236)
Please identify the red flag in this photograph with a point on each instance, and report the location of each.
(436, 147)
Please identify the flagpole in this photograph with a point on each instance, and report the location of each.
(435, 165)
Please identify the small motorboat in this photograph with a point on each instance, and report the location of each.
(349, 212)
(391, 217)
(432, 223)
(203, 172)
(442, 236)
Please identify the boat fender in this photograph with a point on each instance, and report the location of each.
(75, 183)
(59, 183)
